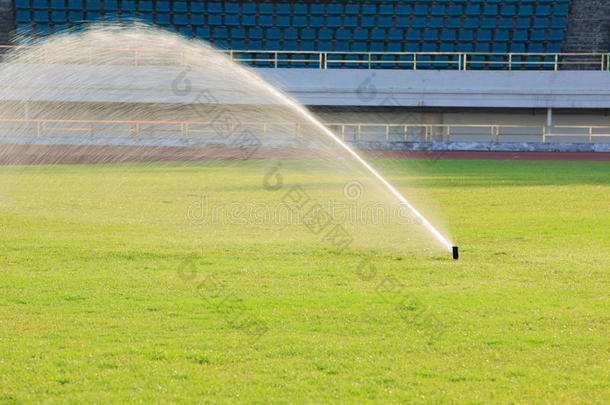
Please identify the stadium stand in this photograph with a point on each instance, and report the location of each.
(517, 26)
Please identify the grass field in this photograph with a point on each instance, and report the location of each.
(110, 296)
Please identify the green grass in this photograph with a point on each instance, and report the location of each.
(93, 307)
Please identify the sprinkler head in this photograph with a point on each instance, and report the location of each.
(456, 254)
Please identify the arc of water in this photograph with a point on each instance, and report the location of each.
(443, 240)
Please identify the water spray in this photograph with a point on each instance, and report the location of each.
(303, 111)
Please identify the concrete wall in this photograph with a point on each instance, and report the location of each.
(588, 27)
(473, 89)
(7, 21)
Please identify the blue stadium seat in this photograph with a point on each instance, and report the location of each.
(490, 10)
(556, 35)
(92, 16)
(413, 35)
(484, 36)
(361, 35)
(368, 22)
(454, 23)
(186, 32)
(111, 5)
(42, 29)
(41, 16)
(145, 6)
(255, 33)
(177, 7)
(40, 5)
(219, 33)
(197, 7)
(466, 36)
(76, 16)
(395, 35)
(73, 5)
(560, 10)
(146, 18)
(385, 22)
(438, 10)
(231, 8)
(92, 5)
(525, 11)
(506, 23)
(272, 33)
(369, 9)
(197, 19)
(23, 16)
(213, 19)
(334, 9)
(325, 34)
(430, 35)
(543, 10)
(436, 22)
(300, 9)
(473, 10)
(558, 23)
(162, 19)
(520, 36)
(456, 10)
(231, 20)
(472, 23)
(501, 36)
(216, 7)
(282, 9)
(403, 9)
(265, 20)
(180, 19)
(352, 9)
(538, 36)
(317, 9)
(58, 17)
(22, 5)
(126, 5)
(333, 22)
(386, 10)
(508, 10)
(420, 10)
(248, 20)
(238, 33)
(419, 22)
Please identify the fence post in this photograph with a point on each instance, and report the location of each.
(557, 61)
(448, 132)
(406, 129)
(544, 134)
(359, 132)
(414, 61)
(343, 132)
(387, 132)
(510, 61)
(590, 134)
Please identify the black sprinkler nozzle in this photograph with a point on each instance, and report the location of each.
(456, 254)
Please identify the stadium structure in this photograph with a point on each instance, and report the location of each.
(434, 74)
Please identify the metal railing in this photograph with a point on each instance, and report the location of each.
(329, 60)
(346, 131)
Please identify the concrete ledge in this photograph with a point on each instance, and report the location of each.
(487, 147)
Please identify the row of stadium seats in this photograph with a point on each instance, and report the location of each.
(451, 7)
(24, 16)
(376, 26)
